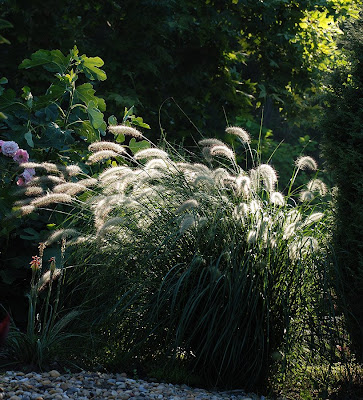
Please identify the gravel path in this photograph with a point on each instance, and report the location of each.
(100, 386)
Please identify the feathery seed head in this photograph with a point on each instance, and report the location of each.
(110, 224)
(26, 210)
(188, 204)
(277, 199)
(255, 207)
(73, 170)
(125, 130)
(33, 191)
(88, 182)
(69, 188)
(187, 222)
(211, 142)
(99, 146)
(314, 217)
(252, 237)
(316, 185)
(61, 234)
(243, 185)
(101, 156)
(241, 133)
(152, 152)
(306, 163)
(306, 195)
(51, 198)
(267, 174)
(223, 151)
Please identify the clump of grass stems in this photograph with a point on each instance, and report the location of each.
(46, 330)
(197, 260)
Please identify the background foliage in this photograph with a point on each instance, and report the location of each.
(343, 149)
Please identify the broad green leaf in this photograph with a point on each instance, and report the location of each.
(3, 80)
(85, 93)
(53, 61)
(90, 65)
(7, 99)
(136, 146)
(29, 139)
(87, 131)
(95, 115)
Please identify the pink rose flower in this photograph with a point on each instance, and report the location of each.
(9, 148)
(21, 156)
(28, 174)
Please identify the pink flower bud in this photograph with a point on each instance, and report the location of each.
(21, 156)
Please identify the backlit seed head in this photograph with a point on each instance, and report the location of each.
(306, 195)
(187, 205)
(99, 146)
(69, 188)
(187, 222)
(125, 130)
(62, 234)
(150, 153)
(101, 156)
(277, 199)
(316, 185)
(223, 151)
(306, 163)
(51, 199)
(211, 142)
(241, 133)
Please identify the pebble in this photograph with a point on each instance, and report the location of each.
(85, 385)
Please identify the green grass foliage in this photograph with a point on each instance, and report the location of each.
(186, 259)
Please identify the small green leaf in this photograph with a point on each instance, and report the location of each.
(136, 146)
(3, 80)
(112, 120)
(120, 138)
(95, 115)
(138, 121)
(29, 139)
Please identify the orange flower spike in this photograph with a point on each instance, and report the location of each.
(35, 263)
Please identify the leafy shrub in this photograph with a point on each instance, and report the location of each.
(203, 263)
(55, 126)
(343, 150)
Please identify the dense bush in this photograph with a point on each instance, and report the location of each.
(343, 149)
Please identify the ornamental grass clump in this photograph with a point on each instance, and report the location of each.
(193, 261)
